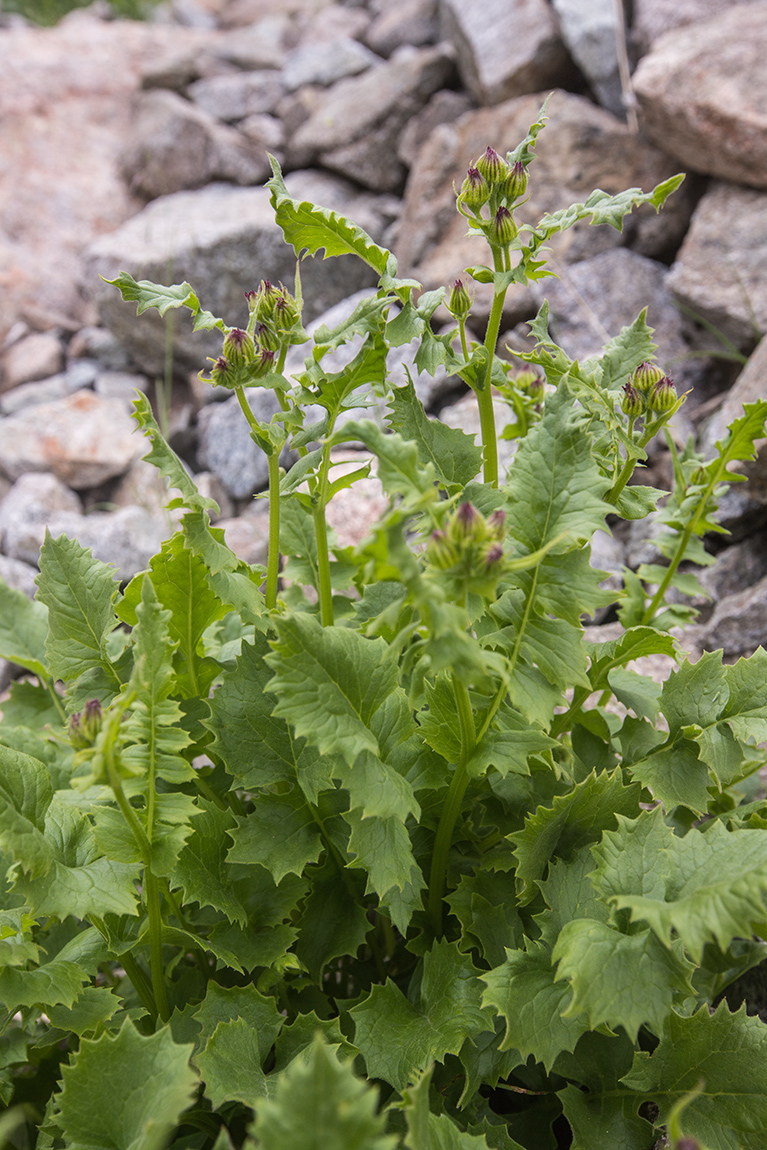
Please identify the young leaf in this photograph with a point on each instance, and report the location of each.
(23, 630)
(231, 579)
(399, 468)
(455, 457)
(94, 1006)
(58, 982)
(168, 463)
(148, 295)
(202, 870)
(398, 1040)
(317, 1101)
(229, 1003)
(308, 228)
(230, 1065)
(127, 1089)
(724, 1056)
(281, 834)
(333, 922)
(79, 592)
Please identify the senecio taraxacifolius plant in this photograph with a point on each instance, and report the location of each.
(372, 848)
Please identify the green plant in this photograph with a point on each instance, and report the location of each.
(357, 853)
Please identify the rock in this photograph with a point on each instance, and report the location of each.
(261, 44)
(225, 446)
(128, 537)
(702, 91)
(174, 146)
(748, 388)
(20, 576)
(65, 106)
(121, 385)
(720, 272)
(143, 486)
(505, 48)
(738, 624)
(403, 22)
(736, 569)
(82, 439)
(590, 33)
(593, 299)
(264, 132)
(654, 17)
(211, 486)
(80, 374)
(35, 357)
(26, 509)
(445, 107)
(353, 511)
(248, 534)
(222, 240)
(232, 98)
(101, 345)
(329, 22)
(355, 125)
(326, 62)
(581, 148)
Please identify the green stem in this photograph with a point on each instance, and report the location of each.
(628, 467)
(50, 687)
(140, 983)
(324, 589)
(485, 395)
(451, 809)
(273, 554)
(153, 900)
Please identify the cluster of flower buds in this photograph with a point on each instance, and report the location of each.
(648, 391)
(529, 383)
(493, 182)
(248, 355)
(85, 725)
(274, 312)
(470, 549)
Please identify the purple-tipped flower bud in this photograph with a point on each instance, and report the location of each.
(467, 519)
(632, 403)
(265, 337)
(502, 229)
(221, 374)
(493, 555)
(497, 524)
(645, 377)
(459, 301)
(492, 167)
(515, 184)
(262, 301)
(440, 551)
(264, 362)
(239, 348)
(475, 191)
(663, 396)
(85, 725)
(286, 314)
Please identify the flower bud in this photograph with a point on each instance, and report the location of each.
(286, 314)
(239, 348)
(663, 395)
(632, 403)
(645, 377)
(440, 551)
(261, 302)
(474, 190)
(493, 555)
(502, 229)
(459, 302)
(515, 184)
(467, 525)
(85, 725)
(266, 338)
(497, 524)
(222, 373)
(492, 167)
(529, 382)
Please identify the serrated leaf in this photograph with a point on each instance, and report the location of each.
(318, 1104)
(399, 468)
(23, 630)
(552, 645)
(705, 887)
(398, 1040)
(623, 354)
(601, 1112)
(281, 834)
(230, 1065)
(427, 1131)
(332, 924)
(310, 229)
(25, 795)
(296, 1038)
(147, 294)
(202, 870)
(229, 1003)
(381, 846)
(125, 1090)
(485, 904)
(526, 992)
(79, 592)
(93, 1006)
(574, 820)
(455, 457)
(619, 979)
(570, 896)
(231, 579)
(57, 982)
(167, 462)
(606, 209)
(726, 1056)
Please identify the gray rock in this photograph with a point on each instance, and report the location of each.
(592, 300)
(589, 30)
(143, 486)
(99, 344)
(211, 486)
(265, 132)
(654, 17)
(738, 624)
(20, 576)
(702, 91)
(401, 22)
(222, 240)
(505, 48)
(720, 272)
(128, 537)
(261, 44)
(353, 511)
(358, 116)
(581, 148)
(326, 62)
(26, 510)
(248, 534)
(80, 374)
(748, 388)
(444, 107)
(225, 446)
(36, 356)
(232, 98)
(174, 145)
(83, 439)
(121, 385)
(736, 569)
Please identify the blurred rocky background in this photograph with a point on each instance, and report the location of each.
(141, 146)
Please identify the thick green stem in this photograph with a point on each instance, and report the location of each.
(153, 900)
(324, 589)
(485, 395)
(140, 983)
(273, 555)
(451, 809)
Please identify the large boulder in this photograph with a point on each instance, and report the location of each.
(702, 92)
(222, 240)
(591, 33)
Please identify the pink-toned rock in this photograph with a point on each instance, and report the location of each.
(83, 440)
(654, 17)
(35, 357)
(353, 511)
(702, 91)
(248, 534)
